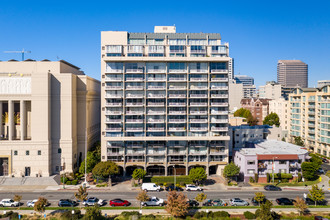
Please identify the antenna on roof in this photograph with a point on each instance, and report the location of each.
(22, 52)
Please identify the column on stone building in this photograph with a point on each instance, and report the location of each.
(23, 119)
(1, 122)
(11, 123)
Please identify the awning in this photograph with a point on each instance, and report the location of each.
(277, 156)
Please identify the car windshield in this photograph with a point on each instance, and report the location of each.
(192, 186)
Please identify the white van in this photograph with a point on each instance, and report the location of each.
(150, 187)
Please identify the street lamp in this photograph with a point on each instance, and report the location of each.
(85, 182)
(174, 176)
(273, 167)
(63, 168)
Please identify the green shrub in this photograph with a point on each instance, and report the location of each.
(127, 215)
(10, 215)
(68, 182)
(299, 177)
(102, 185)
(170, 179)
(268, 178)
(220, 214)
(249, 215)
(256, 177)
(199, 215)
(68, 215)
(74, 182)
(251, 180)
(281, 175)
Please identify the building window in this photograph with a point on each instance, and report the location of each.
(282, 162)
(39, 152)
(282, 170)
(57, 168)
(251, 171)
(59, 150)
(27, 153)
(250, 162)
(15, 152)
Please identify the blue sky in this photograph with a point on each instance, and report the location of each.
(259, 32)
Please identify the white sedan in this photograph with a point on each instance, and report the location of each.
(31, 203)
(193, 188)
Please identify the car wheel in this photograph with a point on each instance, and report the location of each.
(113, 205)
(161, 204)
(188, 189)
(158, 190)
(125, 205)
(146, 190)
(144, 204)
(12, 205)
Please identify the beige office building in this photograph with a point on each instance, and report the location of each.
(310, 118)
(165, 101)
(45, 107)
(236, 94)
(292, 73)
(271, 90)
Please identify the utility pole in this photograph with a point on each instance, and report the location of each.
(21, 52)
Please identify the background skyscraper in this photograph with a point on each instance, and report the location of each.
(292, 73)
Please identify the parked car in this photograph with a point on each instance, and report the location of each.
(8, 203)
(309, 201)
(256, 203)
(31, 203)
(67, 203)
(150, 187)
(190, 187)
(119, 202)
(172, 188)
(325, 160)
(192, 203)
(91, 201)
(272, 188)
(153, 201)
(208, 203)
(320, 171)
(219, 202)
(284, 201)
(238, 202)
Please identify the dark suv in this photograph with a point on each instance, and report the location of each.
(67, 203)
(272, 188)
(284, 201)
(172, 188)
(256, 203)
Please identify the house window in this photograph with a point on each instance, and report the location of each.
(59, 150)
(282, 170)
(57, 168)
(250, 162)
(15, 153)
(27, 153)
(251, 171)
(39, 152)
(282, 162)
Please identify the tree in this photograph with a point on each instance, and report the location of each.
(252, 121)
(309, 168)
(300, 205)
(231, 170)
(105, 169)
(81, 194)
(197, 174)
(283, 139)
(177, 204)
(139, 174)
(142, 197)
(242, 112)
(298, 141)
(316, 194)
(265, 213)
(17, 198)
(259, 197)
(201, 197)
(40, 205)
(91, 162)
(272, 119)
(93, 213)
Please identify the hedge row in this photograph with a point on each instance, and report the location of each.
(281, 176)
(170, 179)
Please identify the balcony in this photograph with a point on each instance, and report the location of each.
(219, 95)
(219, 104)
(156, 79)
(213, 120)
(198, 128)
(113, 87)
(129, 95)
(198, 70)
(219, 71)
(156, 104)
(197, 152)
(198, 120)
(217, 151)
(135, 104)
(157, 129)
(114, 112)
(177, 95)
(135, 152)
(198, 79)
(156, 70)
(156, 49)
(115, 153)
(134, 113)
(114, 70)
(311, 113)
(198, 49)
(151, 95)
(111, 104)
(198, 95)
(177, 104)
(132, 121)
(198, 87)
(134, 129)
(219, 87)
(113, 129)
(177, 112)
(219, 79)
(156, 152)
(114, 96)
(177, 70)
(151, 112)
(156, 87)
(219, 112)
(128, 87)
(113, 121)
(151, 120)
(219, 128)
(134, 79)
(177, 129)
(177, 152)
(139, 70)
(113, 79)
(177, 79)
(135, 49)
(177, 87)
(198, 112)
(198, 103)
(177, 121)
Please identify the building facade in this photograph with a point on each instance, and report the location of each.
(271, 90)
(310, 118)
(249, 89)
(281, 108)
(292, 73)
(164, 101)
(270, 157)
(259, 108)
(322, 83)
(236, 94)
(45, 108)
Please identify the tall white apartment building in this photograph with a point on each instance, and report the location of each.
(164, 101)
(271, 90)
(310, 117)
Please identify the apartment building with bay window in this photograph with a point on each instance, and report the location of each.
(164, 101)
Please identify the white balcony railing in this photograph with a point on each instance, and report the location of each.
(219, 71)
(198, 103)
(156, 129)
(134, 129)
(198, 120)
(112, 79)
(177, 120)
(176, 104)
(198, 70)
(134, 120)
(218, 79)
(152, 104)
(113, 120)
(152, 120)
(156, 79)
(198, 112)
(157, 87)
(113, 112)
(113, 104)
(150, 112)
(177, 112)
(177, 95)
(134, 79)
(176, 128)
(177, 79)
(219, 95)
(219, 87)
(140, 70)
(219, 112)
(198, 129)
(128, 87)
(177, 71)
(113, 129)
(213, 120)
(177, 87)
(198, 95)
(129, 95)
(114, 87)
(219, 104)
(134, 113)
(196, 79)
(150, 95)
(219, 129)
(113, 96)
(134, 104)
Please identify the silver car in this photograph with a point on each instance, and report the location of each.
(238, 202)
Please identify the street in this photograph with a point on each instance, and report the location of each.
(54, 197)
